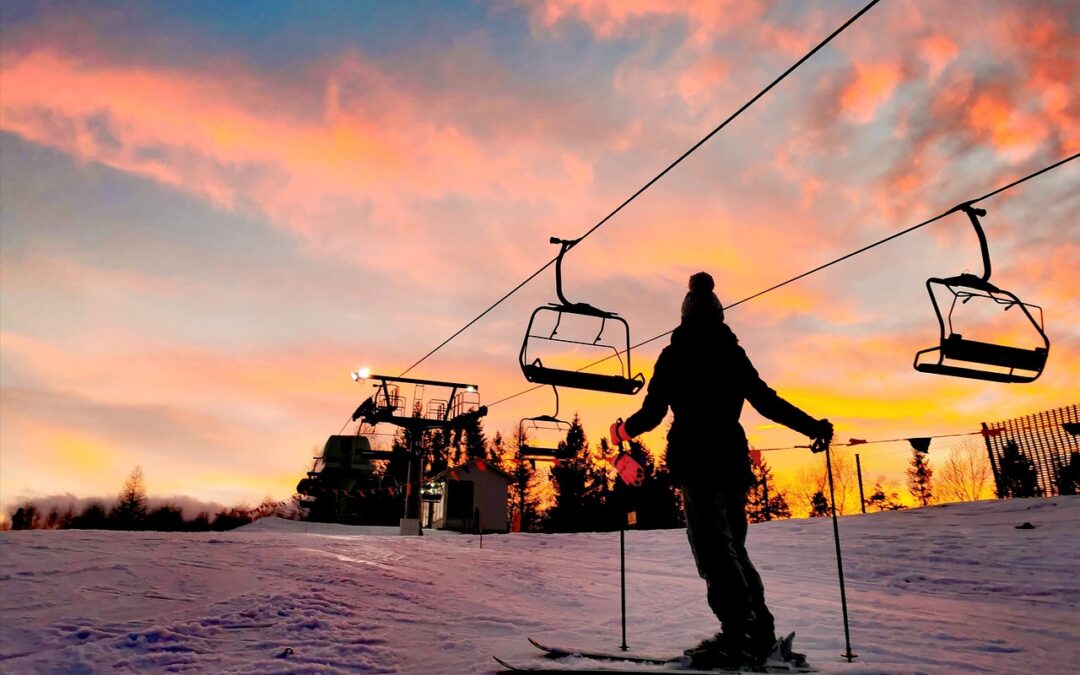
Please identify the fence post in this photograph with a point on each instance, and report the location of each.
(858, 471)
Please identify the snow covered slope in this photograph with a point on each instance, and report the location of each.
(945, 589)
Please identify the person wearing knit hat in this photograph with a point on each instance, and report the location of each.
(705, 377)
(700, 300)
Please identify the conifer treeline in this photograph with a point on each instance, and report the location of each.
(588, 496)
(582, 494)
(574, 495)
(131, 511)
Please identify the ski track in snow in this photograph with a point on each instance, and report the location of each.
(952, 588)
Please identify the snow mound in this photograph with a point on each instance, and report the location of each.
(945, 589)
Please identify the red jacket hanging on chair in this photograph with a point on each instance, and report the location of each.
(704, 377)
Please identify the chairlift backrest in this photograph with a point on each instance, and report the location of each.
(536, 371)
(958, 356)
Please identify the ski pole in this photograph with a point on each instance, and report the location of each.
(817, 447)
(622, 559)
(622, 578)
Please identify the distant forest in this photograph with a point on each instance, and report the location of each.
(580, 494)
(130, 511)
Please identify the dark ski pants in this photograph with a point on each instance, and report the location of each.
(716, 528)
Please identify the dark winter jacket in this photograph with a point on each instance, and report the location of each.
(704, 376)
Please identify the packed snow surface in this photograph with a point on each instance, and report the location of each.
(945, 589)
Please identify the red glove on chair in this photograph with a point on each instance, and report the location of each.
(618, 432)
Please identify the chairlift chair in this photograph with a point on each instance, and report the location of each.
(547, 426)
(542, 451)
(958, 356)
(535, 370)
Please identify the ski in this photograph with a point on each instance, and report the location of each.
(675, 664)
(638, 667)
(560, 652)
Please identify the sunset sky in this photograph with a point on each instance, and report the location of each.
(211, 212)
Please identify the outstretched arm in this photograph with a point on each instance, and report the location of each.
(655, 405)
(767, 402)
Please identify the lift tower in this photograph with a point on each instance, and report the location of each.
(458, 405)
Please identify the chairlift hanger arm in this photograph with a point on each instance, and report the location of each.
(565, 245)
(973, 214)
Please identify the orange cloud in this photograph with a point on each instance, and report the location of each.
(938, 51)
(871, 86)
(1008, 129)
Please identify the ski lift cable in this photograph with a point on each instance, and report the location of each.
(651, 182)
(842, 258)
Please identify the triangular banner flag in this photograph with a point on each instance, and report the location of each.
(920, 444)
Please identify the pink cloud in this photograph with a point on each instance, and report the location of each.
(376, 155)
(609, 19)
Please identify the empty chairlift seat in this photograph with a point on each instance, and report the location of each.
(979, 359)
(536, 338)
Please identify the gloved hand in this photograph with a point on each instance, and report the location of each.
(618, 432)
(823, 435)
(629, 468)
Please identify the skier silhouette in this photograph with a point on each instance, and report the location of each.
(704, 376)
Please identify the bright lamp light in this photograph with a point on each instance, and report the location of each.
(361, 374)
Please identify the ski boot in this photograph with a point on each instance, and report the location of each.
(705, 654)
(783, 656)
(715, 653)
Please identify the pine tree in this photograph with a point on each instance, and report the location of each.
(819, 505)
(59, 520)
(757, 509)
(919, 478)
(475, 441)
(165, 518)
(440, 451)
(883, 497)
(1018, 477)
(26, 517)
(1068, 475)
(495, 449)
(524, 502)
(597, 511)
(93, 517)
(570, 480)
(130, 510)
